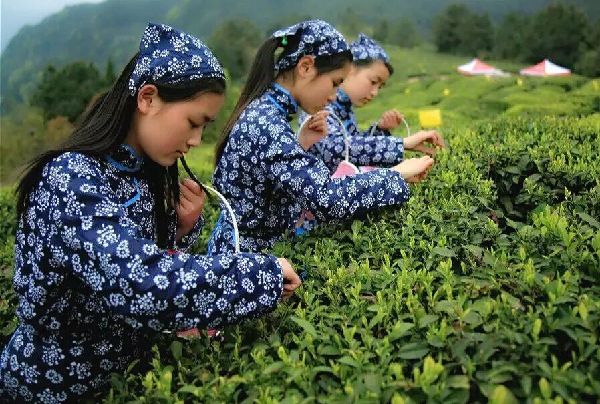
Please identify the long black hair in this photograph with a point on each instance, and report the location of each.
(262, 74)
(104, 127)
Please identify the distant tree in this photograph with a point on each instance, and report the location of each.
(381, 32)
(446, 27)
(512, 37)
(66, 91)
(476, 35)
(404, 33)
(23, 136)
(234, 43)
(589, 58)
(401, 33)
(459, 30)
(109, 74)
(350, 23)
(558, 33)
(589, 63)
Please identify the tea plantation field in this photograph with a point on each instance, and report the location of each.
(485, 287)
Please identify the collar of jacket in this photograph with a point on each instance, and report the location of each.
(343, 99)
(125, 158)
(282, 99)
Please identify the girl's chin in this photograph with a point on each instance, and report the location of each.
(166, 161)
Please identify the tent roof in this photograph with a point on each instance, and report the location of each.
(545, 68)
(477, 67)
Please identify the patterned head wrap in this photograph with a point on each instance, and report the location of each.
(169, 56)
(317, 38)
(366, 48)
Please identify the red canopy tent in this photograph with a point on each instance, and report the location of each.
(545, 68)
(478, 68)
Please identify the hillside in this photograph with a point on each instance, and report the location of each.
(97, 32)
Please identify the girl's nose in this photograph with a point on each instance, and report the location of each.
(196, 139)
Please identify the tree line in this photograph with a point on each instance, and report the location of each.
(562, 33)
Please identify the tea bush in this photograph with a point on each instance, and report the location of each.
(484, 287)
(456, 297)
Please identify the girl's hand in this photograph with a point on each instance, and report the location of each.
(291, 280)
(390, 120)
(415, 169)
(191, 204)
(417, 142)
(314, 130)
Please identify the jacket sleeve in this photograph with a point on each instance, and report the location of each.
(375, 131)
(147, 286)
(188, 240)
(377, 150)
(306, 178)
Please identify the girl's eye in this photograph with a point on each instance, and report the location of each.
(193, 124)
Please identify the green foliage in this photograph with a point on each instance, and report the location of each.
(22, 135)
(111, 29)
(459, 30)
(402, 33)
(381, 31)
(25, 135)
(8, 298)
(557, 33)
(589, 61)
(512, 37)
(110, 76)
(350, 23)
(539, 163)
(234, 43)
(442, 300)
(68, 90)
(421, 77)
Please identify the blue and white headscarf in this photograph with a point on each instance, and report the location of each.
(317, 38)
(169, 56)
(366, 48)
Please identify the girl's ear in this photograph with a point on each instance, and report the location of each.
(147, 98)
(306, 67)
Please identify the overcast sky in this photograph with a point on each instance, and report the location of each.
(14, 14)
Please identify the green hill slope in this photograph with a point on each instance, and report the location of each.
(423, 77)
(95, 32)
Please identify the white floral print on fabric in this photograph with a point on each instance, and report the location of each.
(167, 55)
(269, 179)
(373, 147)
(365, 48)
(94, 288)
(317, 38)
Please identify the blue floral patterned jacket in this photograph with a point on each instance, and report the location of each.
(374, 146)
(94, 288)
(269, 179)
